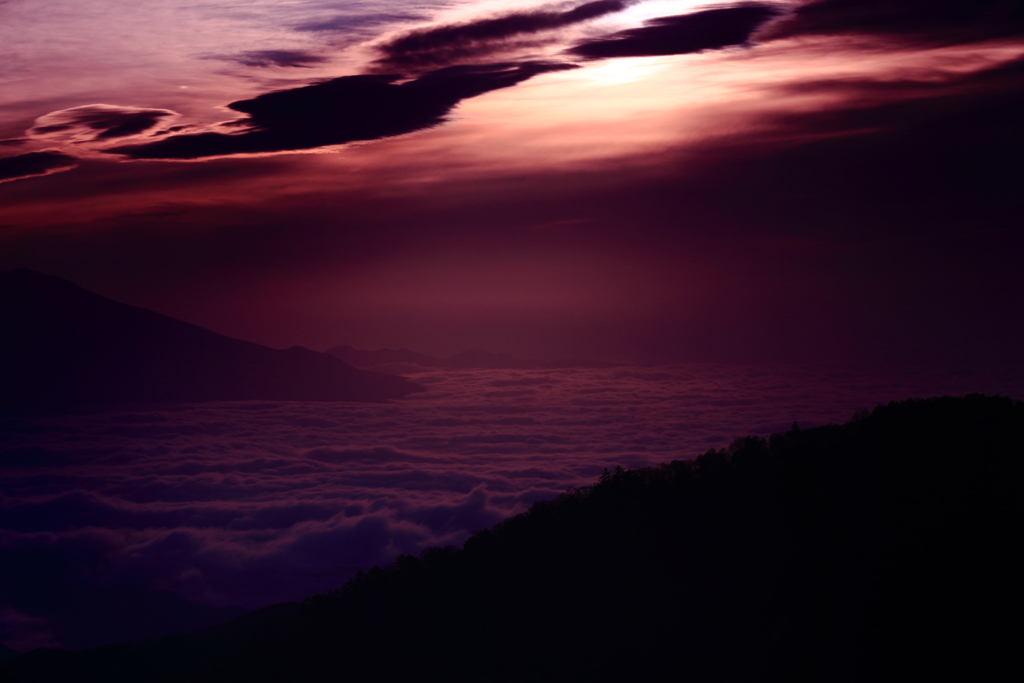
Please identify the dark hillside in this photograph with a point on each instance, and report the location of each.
(881, 549)
(62, 346)
(7, 654)
(151, 660)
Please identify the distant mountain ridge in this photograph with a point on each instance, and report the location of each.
(62, 346)
(387, 360)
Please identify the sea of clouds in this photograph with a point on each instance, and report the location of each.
(250, 503)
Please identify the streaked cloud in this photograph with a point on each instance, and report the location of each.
(683, 34)
(284, 58)
(442, 45)
(35, 164)
(913, 21)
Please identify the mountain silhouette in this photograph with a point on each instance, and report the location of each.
(62, 346)
(881, 549)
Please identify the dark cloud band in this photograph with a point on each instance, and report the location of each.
(916, 20)
(343, 110)
(683, 34)
(35, 164)
(436, 46)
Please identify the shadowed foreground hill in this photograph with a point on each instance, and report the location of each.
(62, 346)
(881, 549)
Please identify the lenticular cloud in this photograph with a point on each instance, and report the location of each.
(99, 122)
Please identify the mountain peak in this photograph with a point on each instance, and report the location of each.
(63, 346)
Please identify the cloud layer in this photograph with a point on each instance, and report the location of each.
(255, 502)
(370, 107)
(355, 108)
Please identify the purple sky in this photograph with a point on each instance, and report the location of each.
(641, 181)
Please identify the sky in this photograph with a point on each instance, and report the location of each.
(643, 181)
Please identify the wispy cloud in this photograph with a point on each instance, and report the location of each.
(284, 58)
(435, 46)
